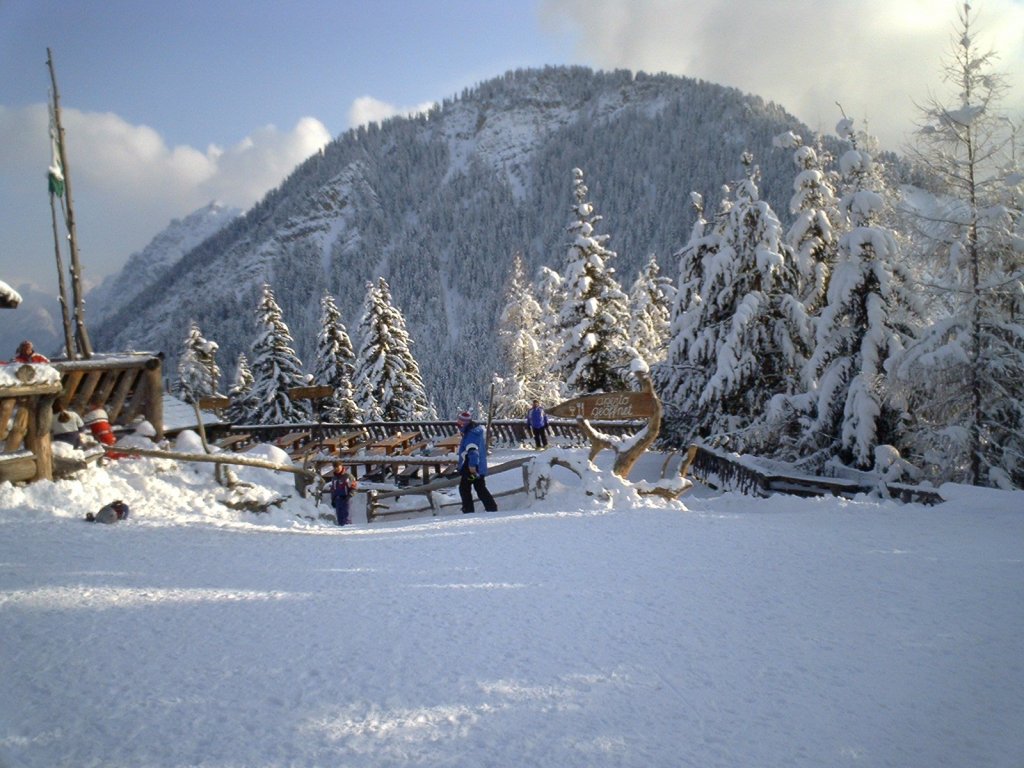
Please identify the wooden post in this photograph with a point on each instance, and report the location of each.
(82, 335)
(154, 410)
(69, 341)
(39, 440)
(19, 428)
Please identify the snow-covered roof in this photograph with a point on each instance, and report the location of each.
(9, 298)
(179, 415)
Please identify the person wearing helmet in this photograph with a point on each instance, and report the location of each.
(472, 464)
(343, 485)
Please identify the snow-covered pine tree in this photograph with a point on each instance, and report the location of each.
(680, 378)
(521, 360)
(812, 236)
(387, 381)
(240, 391)
(275, 368)
(966, 368)
(550, 292)
(747, 339)
(861, 328)
(650, 300)
(198, 372)
(594, 354)
(335, 364)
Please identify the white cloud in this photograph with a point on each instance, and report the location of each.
(876, 57)
(127, 183)
(367, 109)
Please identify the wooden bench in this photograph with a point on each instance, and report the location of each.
(449, 444)
(234, 442)
(418, 446)
(396, 444)
(339, 444)
(292, 440)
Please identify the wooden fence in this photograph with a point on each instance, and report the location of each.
(129, 385)
(501, 432)
(25, 411)
(725, 471)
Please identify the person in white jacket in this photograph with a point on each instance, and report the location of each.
(66, 426)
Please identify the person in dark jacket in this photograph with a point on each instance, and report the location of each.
(111, 513)
(537, 419)
(343, 485)
(472, 464)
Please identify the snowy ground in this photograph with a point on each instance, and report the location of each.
(574, 631)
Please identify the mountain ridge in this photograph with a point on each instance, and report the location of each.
(439, 202)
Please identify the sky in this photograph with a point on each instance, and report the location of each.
(606, 630)
(168, 106)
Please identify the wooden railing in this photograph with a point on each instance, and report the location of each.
(502, 432)
(726, 471)
(128, 385)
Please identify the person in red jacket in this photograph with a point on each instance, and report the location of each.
(27, 354)
(98, 422)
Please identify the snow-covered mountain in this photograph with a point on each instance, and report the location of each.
(439, 204)
(150, 264)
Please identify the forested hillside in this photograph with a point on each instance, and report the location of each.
(440, 204)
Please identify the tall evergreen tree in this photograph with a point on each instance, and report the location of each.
(861, 328)
(198, 372)
(812, 237)
(965, 370)
(387, 378)
(275, 368)
(681, 377)
(520, 355)
(593, 323)
(650, 302)
(747, 340)
(240, 391)
(550, 292)
(335, 364)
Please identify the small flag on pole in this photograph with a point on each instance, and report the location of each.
(55, 173)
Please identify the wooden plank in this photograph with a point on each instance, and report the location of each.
(233, 442)
(6, 409)
(17, 468)
(126, 380)
(106, 389)
(450, 443)
(610, 406)
(214, 403)
(29, 390)
(72, 380)
(310, 393)
(19, 429)
(292, 440)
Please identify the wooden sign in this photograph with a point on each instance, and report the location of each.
(213, 403)
(609, 406)
(310, 393)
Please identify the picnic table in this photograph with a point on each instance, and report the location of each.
(294, 444)
(403, 442)
(342, 444)
(234, 442)
(449, 444)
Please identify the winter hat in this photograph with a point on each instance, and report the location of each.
(464, 418)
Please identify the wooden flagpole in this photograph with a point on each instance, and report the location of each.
(81, 334)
